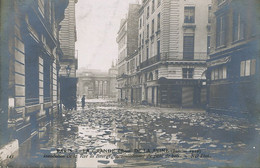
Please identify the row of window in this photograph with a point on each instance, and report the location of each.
(247, 68)
(238, 28)
(219, 73)
(45, 8)
(153, 7)
(189, 14)
(152, 27)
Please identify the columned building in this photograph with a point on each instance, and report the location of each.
(173, 41)
(97, 84)
(127, 40)
(69, 61)
(233, 66)
(30, 53)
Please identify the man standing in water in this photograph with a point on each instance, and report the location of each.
(83, 102)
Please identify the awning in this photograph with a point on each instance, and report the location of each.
(219, 61)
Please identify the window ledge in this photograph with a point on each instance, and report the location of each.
(238, 41)
(220, 47)
(189, 25)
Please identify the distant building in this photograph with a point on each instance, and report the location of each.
(112, 72)
(127, 40)
(30, 53)
(97, 84)
(233, 66)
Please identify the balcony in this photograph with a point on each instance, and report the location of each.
(175, 56)
(150, 61)
(184, 56)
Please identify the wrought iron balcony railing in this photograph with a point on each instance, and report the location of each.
(175, 56)
(150, 61)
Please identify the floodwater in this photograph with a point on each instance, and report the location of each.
(106, 134)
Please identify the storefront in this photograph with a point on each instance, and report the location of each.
(188, 93)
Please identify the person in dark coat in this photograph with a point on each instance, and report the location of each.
(83, 102)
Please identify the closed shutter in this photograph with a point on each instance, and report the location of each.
(187, 96)
(188, 48)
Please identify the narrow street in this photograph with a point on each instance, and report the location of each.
(109, 134)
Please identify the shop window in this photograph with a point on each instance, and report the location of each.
(213, 75)
(187, 73)
(216, 74)
(189, 14)
(247, 67)
(224, 72)
(253, 67)
(219, 73)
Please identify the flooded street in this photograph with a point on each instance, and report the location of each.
(106, 134)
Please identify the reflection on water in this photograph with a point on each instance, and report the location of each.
(148, 137)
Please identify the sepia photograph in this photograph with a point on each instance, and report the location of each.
(129, 83)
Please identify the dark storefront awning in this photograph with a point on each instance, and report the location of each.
(219, 61)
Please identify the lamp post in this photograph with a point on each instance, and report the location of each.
(68, 69)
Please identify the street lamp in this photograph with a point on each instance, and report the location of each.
(68, 69)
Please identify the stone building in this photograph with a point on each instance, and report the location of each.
(233, 66)
(173, 41)
(69, 61)
(68, 37)
(30, 53)
(97, 84)
(127, 44)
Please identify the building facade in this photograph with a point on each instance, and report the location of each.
(68, 37)
(97, 84)
(233, 67)
(127, 40)
(173, 42)
(69, 61)
(30, 53)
